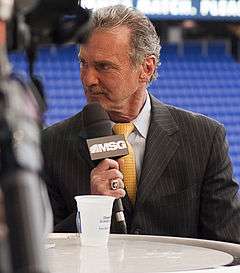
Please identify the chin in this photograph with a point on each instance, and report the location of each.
(98, 99)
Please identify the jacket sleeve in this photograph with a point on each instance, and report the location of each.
(220, 202)
(63, 222)
(64, 219)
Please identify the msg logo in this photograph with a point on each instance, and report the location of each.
(108, 146)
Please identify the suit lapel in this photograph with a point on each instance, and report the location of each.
(160, 148)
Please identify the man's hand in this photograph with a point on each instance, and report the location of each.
(3, 227)
(102, 176)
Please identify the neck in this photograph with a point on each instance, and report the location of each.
(126, 112)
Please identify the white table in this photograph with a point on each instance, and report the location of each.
(140, 254)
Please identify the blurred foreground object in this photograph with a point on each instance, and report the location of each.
(3, 226)
(25, 204)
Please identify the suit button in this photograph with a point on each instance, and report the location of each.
(137, 231)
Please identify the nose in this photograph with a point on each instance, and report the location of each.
(89, 76)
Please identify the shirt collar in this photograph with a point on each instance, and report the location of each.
(142, 121)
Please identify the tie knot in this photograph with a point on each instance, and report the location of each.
(123, 128)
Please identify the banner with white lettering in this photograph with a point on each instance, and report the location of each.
(178, 9)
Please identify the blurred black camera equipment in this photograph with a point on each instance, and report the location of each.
(27, 208)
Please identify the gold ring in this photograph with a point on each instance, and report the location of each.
(114, 184)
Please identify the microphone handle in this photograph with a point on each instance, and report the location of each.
(119, 215)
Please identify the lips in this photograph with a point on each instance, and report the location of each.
(94, 93)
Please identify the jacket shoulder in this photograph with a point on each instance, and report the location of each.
(192, 118)
(187, 122)
(68, 125)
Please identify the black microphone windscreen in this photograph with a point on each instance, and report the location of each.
(96, 121)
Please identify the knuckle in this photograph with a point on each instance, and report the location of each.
(93, 177)
(93, 171)
(107, 161)
(119, 174)
(122, 192)
(113, 173)
(105, 192)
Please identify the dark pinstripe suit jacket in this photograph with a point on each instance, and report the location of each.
(186, 187)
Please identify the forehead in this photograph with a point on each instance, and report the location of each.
(107, 43)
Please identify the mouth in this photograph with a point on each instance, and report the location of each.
(96, 94)
(90, 93)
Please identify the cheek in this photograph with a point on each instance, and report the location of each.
(126, 83)
(131, 81)
(112, 84)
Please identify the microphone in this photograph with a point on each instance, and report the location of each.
(103, 144)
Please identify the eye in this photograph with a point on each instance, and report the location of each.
(103, 66)
(82, 63)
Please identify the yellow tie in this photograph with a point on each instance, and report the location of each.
(129, 167)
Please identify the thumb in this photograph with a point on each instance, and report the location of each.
(120, 163)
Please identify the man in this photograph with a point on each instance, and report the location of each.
(184, 174)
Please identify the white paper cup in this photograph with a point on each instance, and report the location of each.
(95, 212)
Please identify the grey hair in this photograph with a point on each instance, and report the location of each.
(144, 40)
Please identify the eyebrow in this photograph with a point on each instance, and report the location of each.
(100, 62)
(106, 62)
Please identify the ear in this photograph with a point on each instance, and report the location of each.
(148, 68)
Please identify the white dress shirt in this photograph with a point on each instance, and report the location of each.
(138, 137)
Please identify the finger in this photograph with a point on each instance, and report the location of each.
(113, 174)
(97, 174)
(120, 162)
(119, 193)
(116, 184)
(108, 163)
(121, 184)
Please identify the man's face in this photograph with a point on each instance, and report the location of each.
(106, 71)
